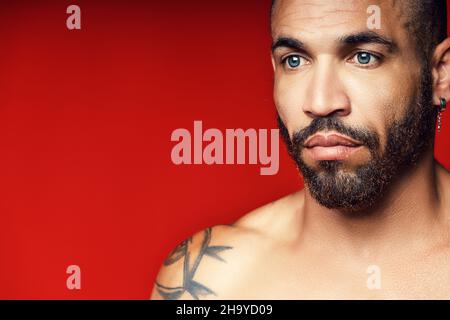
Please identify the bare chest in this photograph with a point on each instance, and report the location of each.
(280, 277)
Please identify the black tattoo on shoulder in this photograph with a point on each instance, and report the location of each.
(194, 288)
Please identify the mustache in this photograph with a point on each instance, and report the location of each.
(365, 136)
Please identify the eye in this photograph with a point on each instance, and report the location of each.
(365, 59)
(292, 61)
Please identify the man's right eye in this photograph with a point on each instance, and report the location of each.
(292, 61)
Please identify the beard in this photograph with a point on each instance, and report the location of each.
(361, 188)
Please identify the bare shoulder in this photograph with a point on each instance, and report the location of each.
(215, 260)
(276, 219)
(187, 271)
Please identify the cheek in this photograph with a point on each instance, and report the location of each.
(379, 101)
(371, 109)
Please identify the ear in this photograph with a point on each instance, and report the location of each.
(441, 72)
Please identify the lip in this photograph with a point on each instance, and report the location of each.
(330, 140)
(331, 147)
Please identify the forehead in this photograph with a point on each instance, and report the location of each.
(332, 18)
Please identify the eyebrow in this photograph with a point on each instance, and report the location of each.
(365, 37)
(368, 37)
(286, 42)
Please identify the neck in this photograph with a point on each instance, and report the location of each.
(410, 214)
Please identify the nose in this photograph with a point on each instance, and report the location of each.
(326, 94)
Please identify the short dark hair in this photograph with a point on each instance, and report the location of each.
(426, 23)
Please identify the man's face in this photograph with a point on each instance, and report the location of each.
(354, 103)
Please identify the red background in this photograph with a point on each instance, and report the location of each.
(85, 122)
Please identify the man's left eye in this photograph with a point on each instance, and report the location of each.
(365, 59)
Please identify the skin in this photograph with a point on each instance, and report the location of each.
(294, 248)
